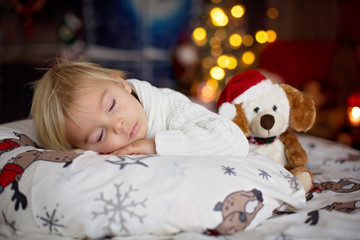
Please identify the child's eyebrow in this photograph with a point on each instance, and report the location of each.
(99, 108)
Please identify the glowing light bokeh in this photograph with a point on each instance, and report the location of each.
(248, 58)
(271, 35)
(235, 40)
(354, 116)
(217, 73)
(238, 11)
(261, 36)
(208, 92)
(233, 62)
(199, 34)
(272, 13)
(218, 17)
(223, 61)
(248, 40)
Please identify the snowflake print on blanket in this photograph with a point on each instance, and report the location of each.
(292, 180)
(264, 174)
(127, 160)
(51, 220)
(118, 209)
(178, 170)
(229, 170)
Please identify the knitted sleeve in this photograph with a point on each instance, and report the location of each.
(194, 130)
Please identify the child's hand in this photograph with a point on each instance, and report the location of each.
(143, 146)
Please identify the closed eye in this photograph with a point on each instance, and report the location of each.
(101, 136)
(112, 105)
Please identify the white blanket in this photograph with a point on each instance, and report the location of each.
(90, 195)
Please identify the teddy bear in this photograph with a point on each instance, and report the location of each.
(268, 113)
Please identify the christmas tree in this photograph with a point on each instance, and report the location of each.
(225, 40)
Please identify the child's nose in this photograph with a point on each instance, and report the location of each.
(119, 125)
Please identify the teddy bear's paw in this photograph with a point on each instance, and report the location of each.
(305, 180)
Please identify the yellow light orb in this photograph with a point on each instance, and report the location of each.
(218, 17)
(248, 40)
(235, 40)
(232, 62)
(199, 34)
(248, 58)
(271, 34)
(217, 73)
(238, 11)
(261, 36)
(272, 13)
(223, 61)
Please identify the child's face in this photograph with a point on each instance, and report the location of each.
(110, 118)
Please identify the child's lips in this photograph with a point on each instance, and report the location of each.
(134, 130)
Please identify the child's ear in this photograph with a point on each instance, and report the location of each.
(122, 82)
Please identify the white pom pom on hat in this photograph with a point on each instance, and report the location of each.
(227, 110)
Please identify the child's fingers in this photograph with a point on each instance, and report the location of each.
(144, 146)
(128, 150)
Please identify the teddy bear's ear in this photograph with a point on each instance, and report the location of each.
(302, 109)
(241, 120)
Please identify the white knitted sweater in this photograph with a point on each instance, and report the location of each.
(181, 127)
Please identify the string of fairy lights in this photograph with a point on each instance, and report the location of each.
(226, 48)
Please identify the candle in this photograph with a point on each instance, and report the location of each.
(354, 109)
(354, 116)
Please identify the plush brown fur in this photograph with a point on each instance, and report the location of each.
(295, 154)
(241, 121)
(302, 109)
(302, 118)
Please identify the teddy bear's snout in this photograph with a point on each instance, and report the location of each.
(267, 121)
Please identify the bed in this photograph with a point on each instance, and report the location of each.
(46, 194)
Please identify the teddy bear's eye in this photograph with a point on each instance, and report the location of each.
(274, 108)
(256, 110)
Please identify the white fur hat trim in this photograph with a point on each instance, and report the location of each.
(262, 86)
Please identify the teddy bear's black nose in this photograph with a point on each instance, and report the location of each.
(267, 121)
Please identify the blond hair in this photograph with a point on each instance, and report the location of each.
(54, 94)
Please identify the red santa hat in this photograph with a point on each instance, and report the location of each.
(233, 93)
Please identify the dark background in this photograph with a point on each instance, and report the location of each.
(317, 48)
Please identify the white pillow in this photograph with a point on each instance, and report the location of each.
(91, 195)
